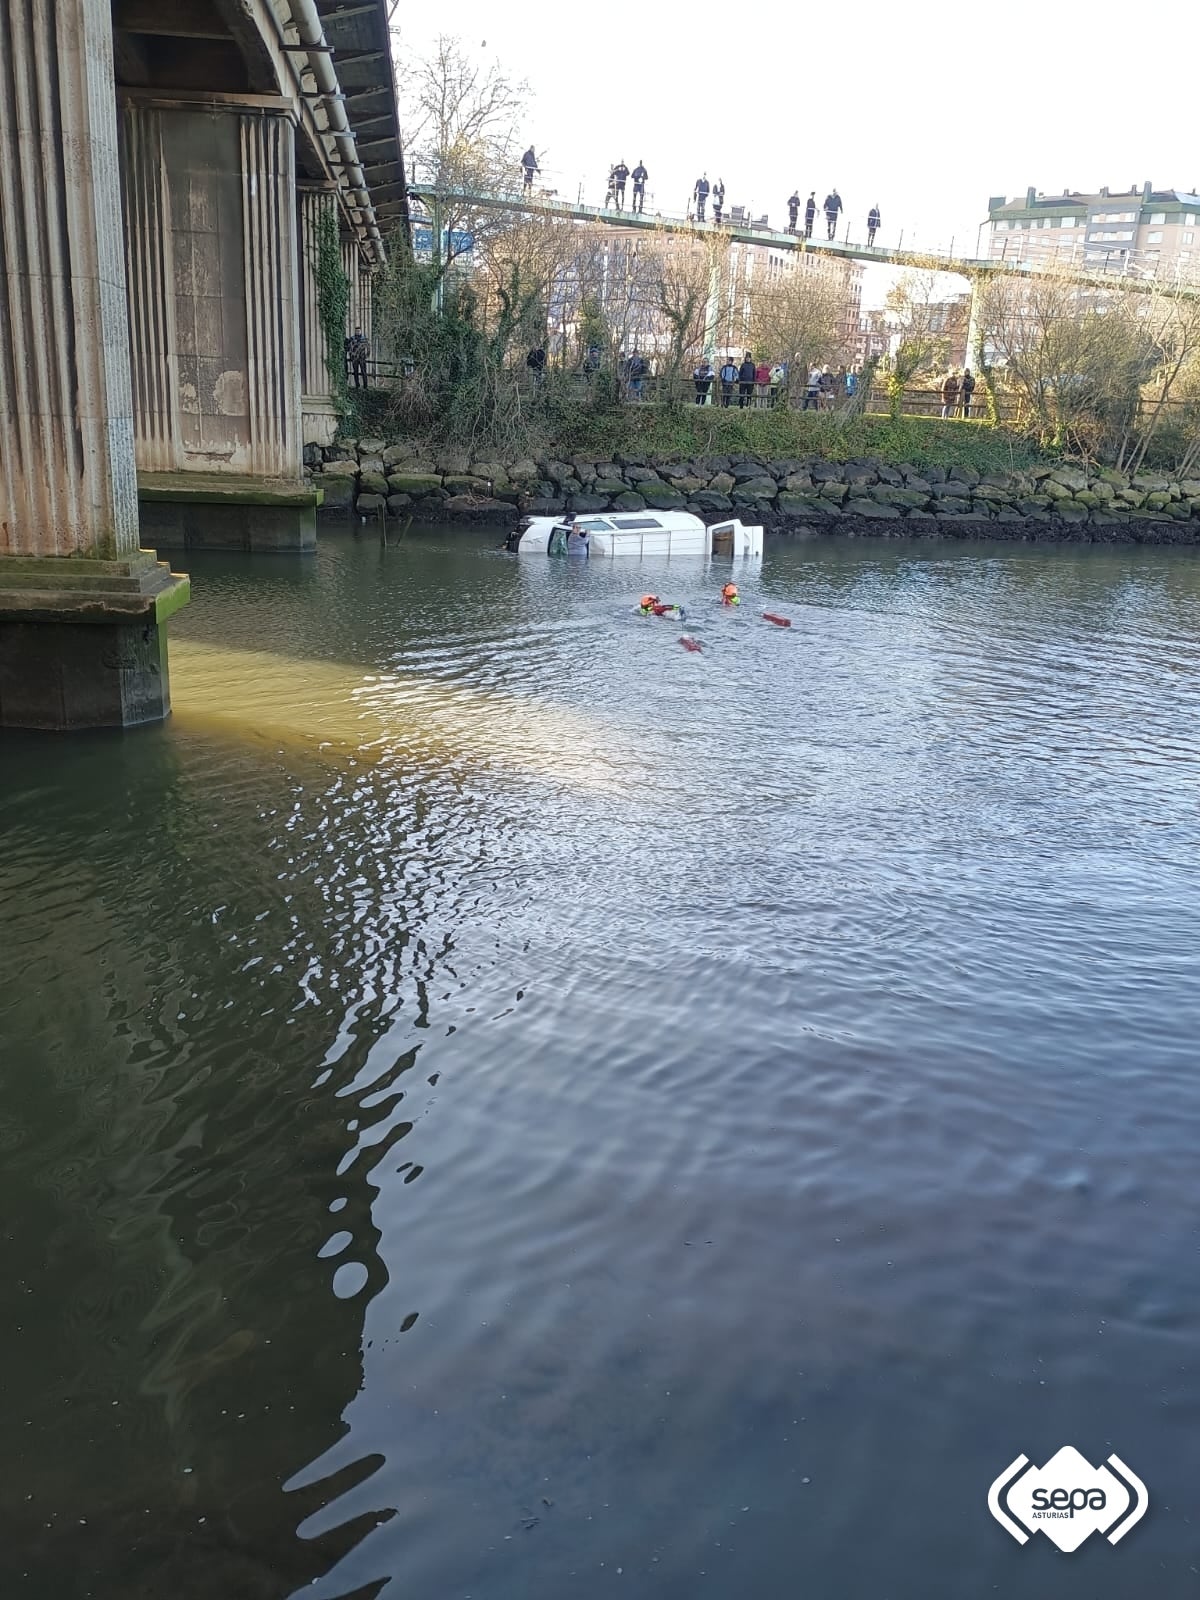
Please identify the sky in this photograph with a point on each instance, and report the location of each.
(926, 110)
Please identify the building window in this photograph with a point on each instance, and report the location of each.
(1154, 238)
(1067, 222)
(1159, 216)
(1187, 238)
(1000, 226)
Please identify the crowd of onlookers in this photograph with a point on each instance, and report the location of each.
(763, 383)
(703, 191)
(751, 383)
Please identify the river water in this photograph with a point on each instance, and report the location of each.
(495, 1104)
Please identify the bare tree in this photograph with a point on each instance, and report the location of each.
(681, 275)
(796, 316)
(917, 310)
(1173, 324)
(1075, 354)
(460, 117)
(616, 277)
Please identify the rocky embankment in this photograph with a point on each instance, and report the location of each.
(373, 478)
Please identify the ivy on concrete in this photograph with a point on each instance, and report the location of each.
(333, 301)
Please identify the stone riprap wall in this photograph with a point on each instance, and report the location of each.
(372, 478)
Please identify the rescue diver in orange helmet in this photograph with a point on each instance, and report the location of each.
(651, 606)
(730, 595)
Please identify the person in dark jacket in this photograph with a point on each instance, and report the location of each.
(357, 352)
(966, 388)
(703, 377)
(718, 200)
(872, 225)
(729, 376)
(833, 204)
(529, 163)
(793, 210)
(810, 212)
(536, 362)
(620, 173)
(747, 373)
(639, 186)
(700, 196)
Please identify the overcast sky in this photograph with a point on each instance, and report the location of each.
(926, 110)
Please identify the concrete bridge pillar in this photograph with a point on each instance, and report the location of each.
(212, 241)
(318, 206)
(82, 607)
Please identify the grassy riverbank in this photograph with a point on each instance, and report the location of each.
(662, 433)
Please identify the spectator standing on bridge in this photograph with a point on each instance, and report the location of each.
(536, 362)
(833, 204)
(949, 394)
(827, 387)
(639, 187)
(762, 381)
(793, 210)
(700, 196)
(637, 371)
(620, 173)
(747, 373)
(729, 376)
(703, 378)
(966, 388)
(718, 200)
(873, 220)
(357, 351)
(529, 163)
(810, 212)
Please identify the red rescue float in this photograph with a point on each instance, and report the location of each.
(780, 622)
(689, 643)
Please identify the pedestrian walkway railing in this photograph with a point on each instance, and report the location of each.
(659, 390)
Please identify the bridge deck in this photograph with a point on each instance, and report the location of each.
(726, 231)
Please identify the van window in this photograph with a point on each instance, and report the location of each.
(636, 522)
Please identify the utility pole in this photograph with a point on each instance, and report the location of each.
(435, 245)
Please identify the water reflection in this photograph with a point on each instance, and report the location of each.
(490, 1100)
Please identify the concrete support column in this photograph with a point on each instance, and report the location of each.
(213, 245)
(81, 639)
(366, 306)
(320, 411)
(350, 268)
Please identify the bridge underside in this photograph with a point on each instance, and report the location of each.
(166, 172)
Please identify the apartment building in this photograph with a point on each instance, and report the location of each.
(1147, 232)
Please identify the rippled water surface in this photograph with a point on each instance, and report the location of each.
(494, 1104)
